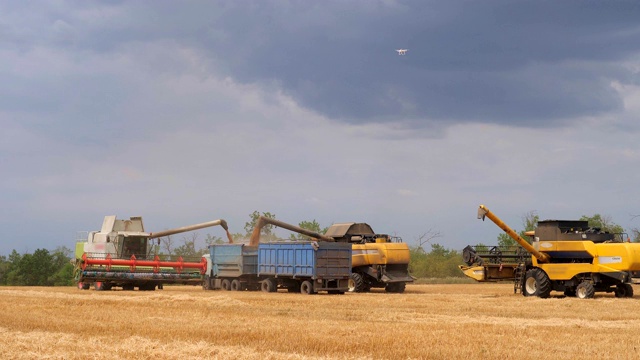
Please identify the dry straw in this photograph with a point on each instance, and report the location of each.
(467, 321)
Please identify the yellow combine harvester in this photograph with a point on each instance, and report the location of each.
(566, 255)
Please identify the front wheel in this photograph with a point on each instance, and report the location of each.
(356, 283)
(537, 283)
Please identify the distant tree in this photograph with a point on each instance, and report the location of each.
(189, 248)
(266, 233)
(604, 223)
(167, 244)
(308, 225)
(529, 222)
(438, 263)
(426, 237)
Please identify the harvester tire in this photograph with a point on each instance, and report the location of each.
(585, 290)
(99, 286)
(536, 283)
(235, 285)
(225, 285)
(623, 290)
(269, 285)
(306, 287)
(84, 286)
(356, 283)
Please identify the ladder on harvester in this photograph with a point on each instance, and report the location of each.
(518, 277)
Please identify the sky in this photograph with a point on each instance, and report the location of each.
(185, 112)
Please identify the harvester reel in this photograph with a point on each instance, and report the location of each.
(585, 290)
(536, 283)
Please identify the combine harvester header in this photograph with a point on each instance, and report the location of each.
(565, 255)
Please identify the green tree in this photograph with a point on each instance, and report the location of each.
(266, 233)
(529, 222)
(308, 225)
(438, 263)
(604, 223)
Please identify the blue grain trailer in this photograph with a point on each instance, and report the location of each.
(232, 267)
(304, 266)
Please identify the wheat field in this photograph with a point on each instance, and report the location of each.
(437, 321)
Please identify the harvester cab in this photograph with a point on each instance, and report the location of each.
(566, 255)
(120, 254)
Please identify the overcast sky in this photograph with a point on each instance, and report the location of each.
(184, 112)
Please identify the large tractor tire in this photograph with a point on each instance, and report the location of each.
(585, 290)
(356, 283)
(536, 283)
(623, 290)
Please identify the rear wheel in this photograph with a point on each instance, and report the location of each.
(585, 290)
(623, 290)
(356, 283)
(226, 284)
(306, 287)
(235, 285)
(537, 283)
(269, 285)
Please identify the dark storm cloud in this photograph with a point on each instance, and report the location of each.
(526, 63)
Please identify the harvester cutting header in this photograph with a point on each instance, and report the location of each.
(120, 255)
(565, 255)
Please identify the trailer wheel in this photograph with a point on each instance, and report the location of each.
(235, 285)
(356, 283)
(306, 287)
(84, 286)
(585, 290)
(98, 286)
(623, 290)
(537, 283)
(268, 285)
(225, 284)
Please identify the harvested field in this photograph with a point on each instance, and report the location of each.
(467, 321)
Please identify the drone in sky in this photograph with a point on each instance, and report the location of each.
(402, 51)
